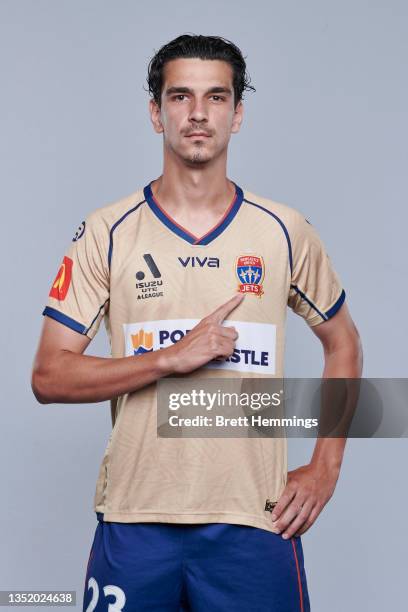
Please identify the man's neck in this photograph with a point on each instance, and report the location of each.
(193, 191)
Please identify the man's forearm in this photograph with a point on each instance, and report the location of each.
(78, 378)
(346, 362)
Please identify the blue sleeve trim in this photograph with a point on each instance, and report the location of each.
(64, 319)
(329, 313)
(332, 311)
(283, 226)
(304, 296)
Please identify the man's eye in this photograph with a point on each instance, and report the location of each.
(181, 96)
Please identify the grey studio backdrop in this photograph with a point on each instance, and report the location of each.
(325, 132)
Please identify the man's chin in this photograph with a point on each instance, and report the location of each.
(197, 159)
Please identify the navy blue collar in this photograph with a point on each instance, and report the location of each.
(181, 231)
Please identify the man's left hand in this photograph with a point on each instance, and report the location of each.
(307, 491)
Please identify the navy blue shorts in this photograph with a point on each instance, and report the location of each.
(205, 567)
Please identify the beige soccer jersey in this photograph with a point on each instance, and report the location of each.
(150, 280)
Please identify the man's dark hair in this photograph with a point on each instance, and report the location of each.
(205, 48)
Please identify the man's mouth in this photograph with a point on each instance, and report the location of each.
(198, 135)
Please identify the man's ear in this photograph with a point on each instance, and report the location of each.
(155, 116)
(238, 117)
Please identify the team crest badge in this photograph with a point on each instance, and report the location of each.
(250, 271)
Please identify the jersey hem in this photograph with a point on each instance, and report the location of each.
(183, 518)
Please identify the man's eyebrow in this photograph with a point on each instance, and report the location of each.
(185, 90)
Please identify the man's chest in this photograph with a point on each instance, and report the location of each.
(161, 287)
(160, 273)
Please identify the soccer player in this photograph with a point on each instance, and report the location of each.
(192, 275)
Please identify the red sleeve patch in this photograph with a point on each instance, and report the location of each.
(62, 281)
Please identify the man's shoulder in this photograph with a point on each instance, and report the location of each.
(113, 212)
(289, 216)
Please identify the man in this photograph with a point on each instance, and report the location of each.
(188, 523)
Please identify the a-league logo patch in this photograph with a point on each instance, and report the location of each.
(62, 281)
(250, 270)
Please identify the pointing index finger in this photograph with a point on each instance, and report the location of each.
(224, 310)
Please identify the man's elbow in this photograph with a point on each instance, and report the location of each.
(40, 387)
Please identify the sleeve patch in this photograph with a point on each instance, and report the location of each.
(62, 281)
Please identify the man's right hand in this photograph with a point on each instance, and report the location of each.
(208, 340)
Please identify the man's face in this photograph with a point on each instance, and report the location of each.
(197, 97)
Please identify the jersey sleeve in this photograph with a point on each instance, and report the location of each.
(316, 291)
(79, 294)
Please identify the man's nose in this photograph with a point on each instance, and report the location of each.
(198, 111)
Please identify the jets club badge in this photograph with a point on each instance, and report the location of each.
(250, 270)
